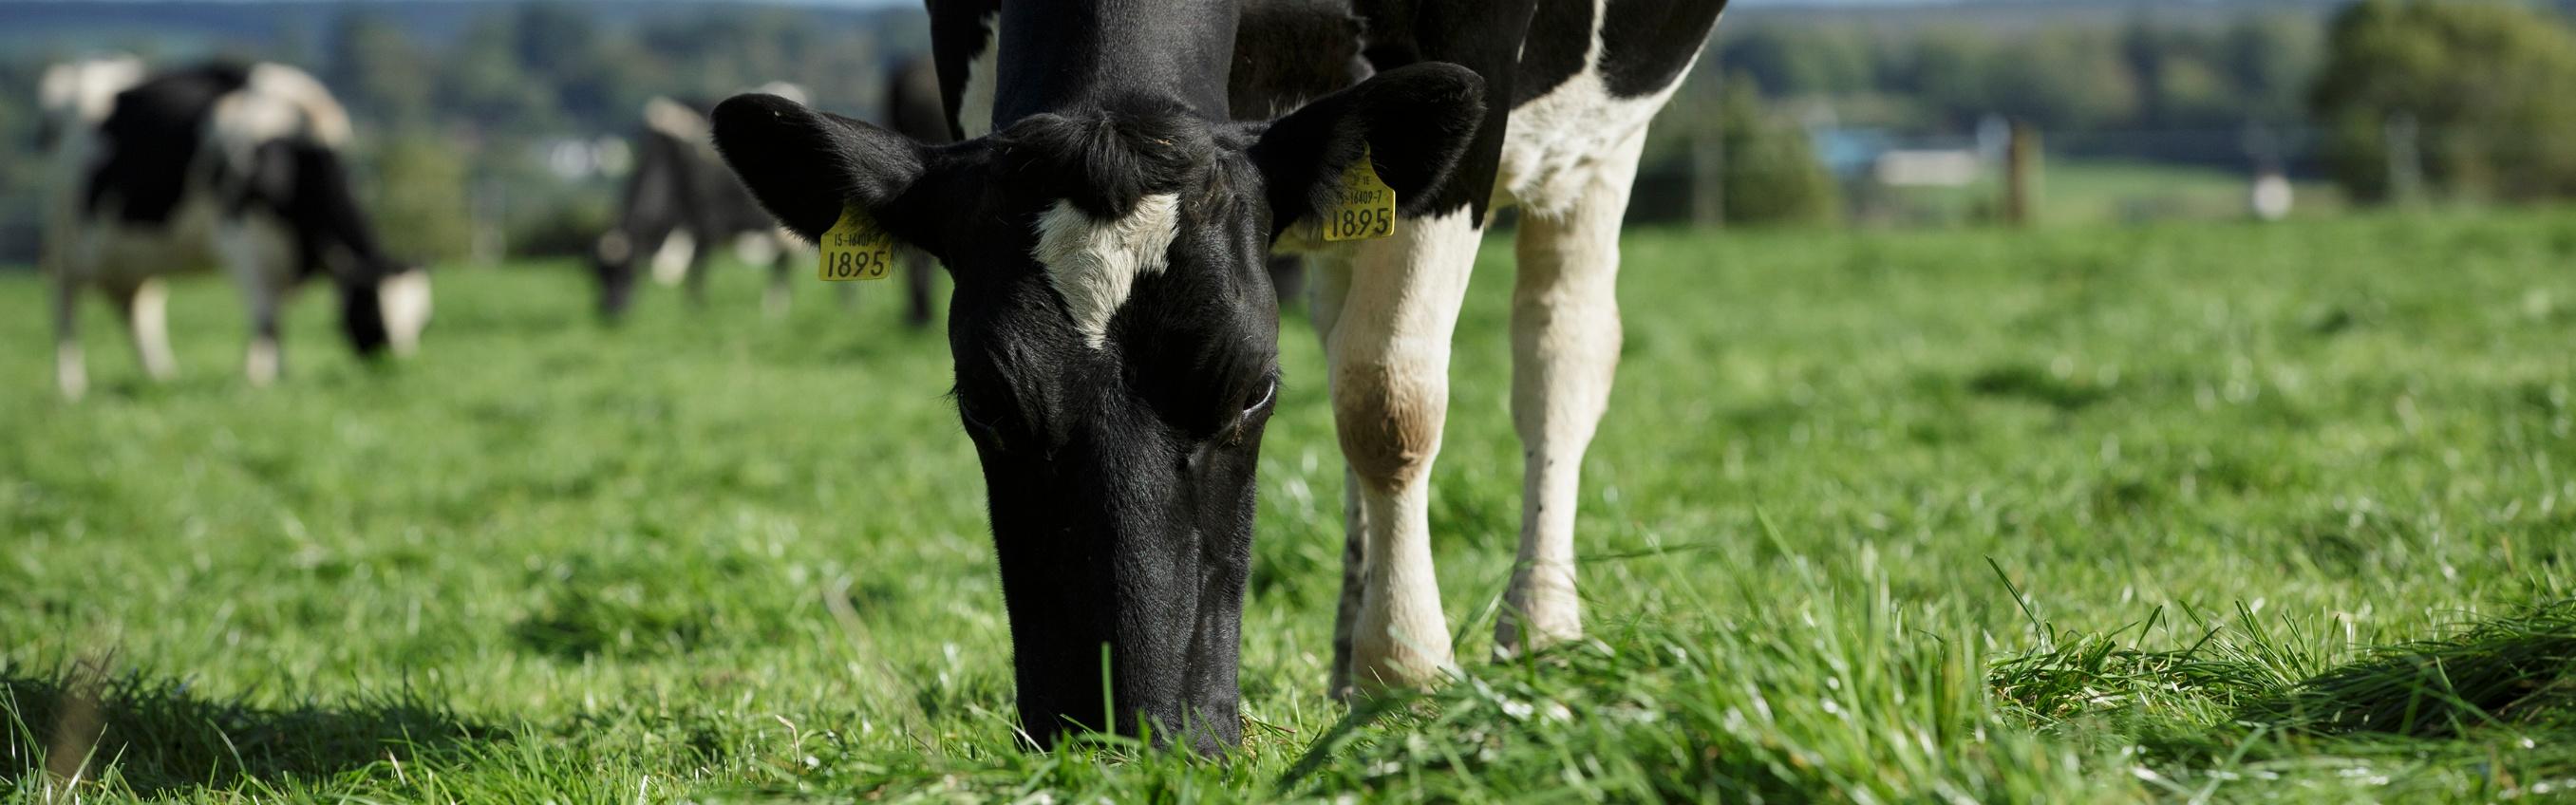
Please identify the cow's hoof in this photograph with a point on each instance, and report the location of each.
(1406, 668)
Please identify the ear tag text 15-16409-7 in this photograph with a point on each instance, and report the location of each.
(856, 249)
(1366, 208)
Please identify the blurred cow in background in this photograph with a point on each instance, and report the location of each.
(225, 164)
(682, 200)
(680, 204)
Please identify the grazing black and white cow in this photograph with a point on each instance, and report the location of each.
(680, 204)
(1113, 331)
(681, 200)
(227, 165)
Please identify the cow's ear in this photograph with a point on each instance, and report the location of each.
(805, 166)
(1414, 122)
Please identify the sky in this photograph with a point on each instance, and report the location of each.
(869, 3)
(1737, 2)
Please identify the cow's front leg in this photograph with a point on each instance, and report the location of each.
(145, 306)
(71, 370)
(265, 298)
(1332, 272)
(1565, 350)
(257, 251)
(693, 273)
(1389, 349)
(265, 360)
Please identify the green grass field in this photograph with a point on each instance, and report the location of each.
(2095, 192)
(2209, 512)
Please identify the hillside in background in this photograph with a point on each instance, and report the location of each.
(190, 27)
(2011, 15)
(509, 113)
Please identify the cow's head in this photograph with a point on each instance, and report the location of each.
(384, 302)
(612, 262)
(383, 308)
(1115, 339)
(404, 296)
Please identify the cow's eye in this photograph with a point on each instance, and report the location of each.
(1269, 393)
(975, 422)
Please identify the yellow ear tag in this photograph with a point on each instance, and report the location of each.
(856, 249)
(1366, 208)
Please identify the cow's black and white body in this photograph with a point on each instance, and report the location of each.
(1113, 330)
(681, 203)
(680, 206)
(224, 166)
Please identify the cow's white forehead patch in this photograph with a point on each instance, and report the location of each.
(1094, 263)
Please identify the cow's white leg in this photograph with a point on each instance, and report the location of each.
(1389, 349)
(1565, 350)
(675, 257)
(263, 360)
(258, 253)
(71, 370)
(1332, 280)
(145, 308)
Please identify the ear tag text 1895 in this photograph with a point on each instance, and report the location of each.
(1366, 207)
(856, 249)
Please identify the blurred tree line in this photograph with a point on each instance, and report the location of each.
(543, 72)
(464, 125)
(548, 67)
(2465, 99)
(2138, 76)
(2472, 100)
(2136, 89)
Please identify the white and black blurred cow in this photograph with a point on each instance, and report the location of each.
(681, 199)
(225, 165)
(679, 205)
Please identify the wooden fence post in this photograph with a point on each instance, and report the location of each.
(2021, 175)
